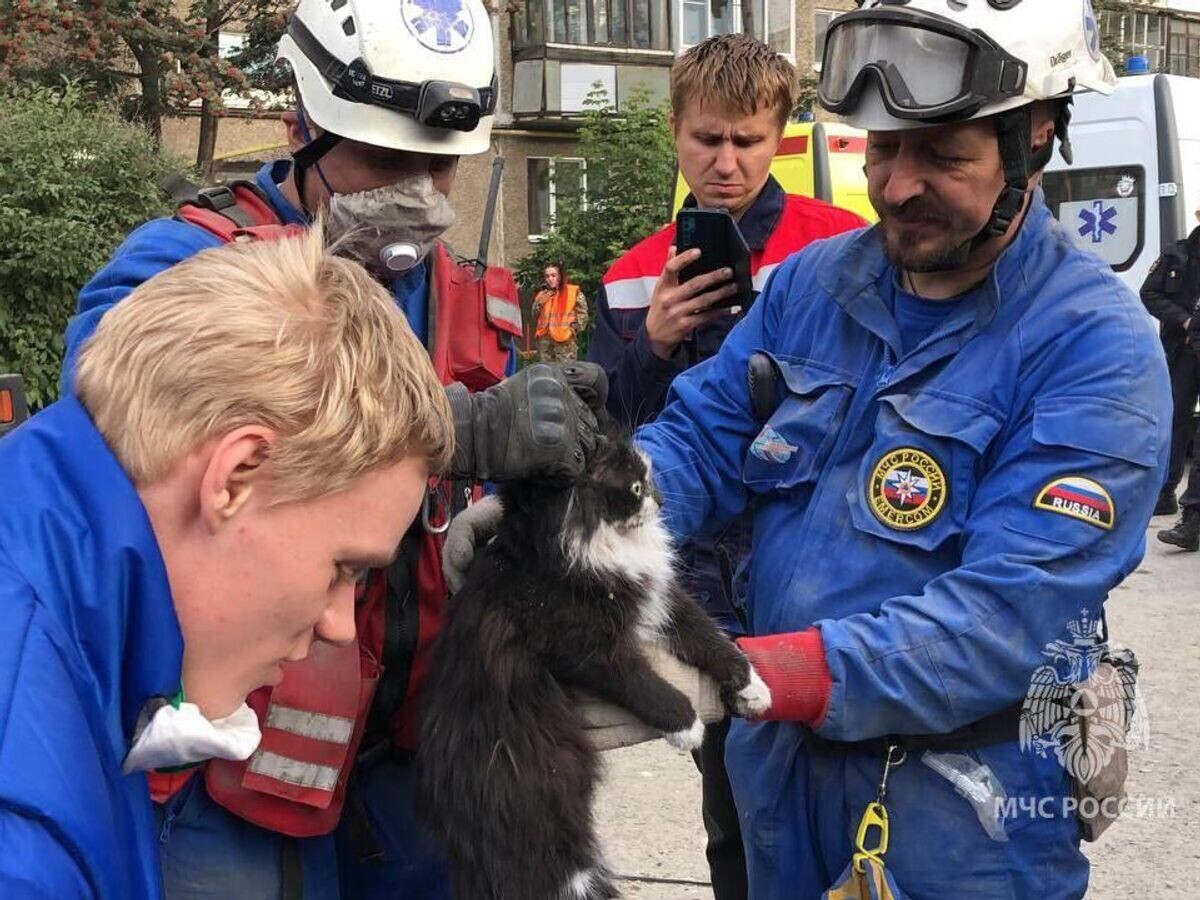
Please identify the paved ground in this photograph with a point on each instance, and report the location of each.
(649, 808)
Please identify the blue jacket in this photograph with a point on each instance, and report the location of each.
(161, 243)
(1032, 429)
(88, 635)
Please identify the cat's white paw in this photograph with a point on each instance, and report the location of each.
(755, 698)
(688, 739)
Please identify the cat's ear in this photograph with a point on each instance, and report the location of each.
(610, 429)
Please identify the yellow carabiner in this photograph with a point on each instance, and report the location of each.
(875, 816)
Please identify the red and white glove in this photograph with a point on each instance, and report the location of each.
(793, 667)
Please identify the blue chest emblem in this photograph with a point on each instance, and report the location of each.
(770, 446)
(443, 26)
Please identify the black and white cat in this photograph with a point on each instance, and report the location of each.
(576, 579)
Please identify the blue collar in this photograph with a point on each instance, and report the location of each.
(855, 283)
(268, 179)
(759, 221)
(74, 527)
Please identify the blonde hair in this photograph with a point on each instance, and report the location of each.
(737, 73)
(280, 334)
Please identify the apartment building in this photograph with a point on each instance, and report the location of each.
(1166, 34)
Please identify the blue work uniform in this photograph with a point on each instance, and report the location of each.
(940, 512)
(207, 852)
(88, 635)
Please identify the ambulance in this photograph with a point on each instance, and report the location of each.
(817, 159)
(1135, 183)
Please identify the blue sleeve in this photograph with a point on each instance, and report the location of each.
(35, 864)
(638, 380)
(148, 250)
(70, 824)
(966, 646)
(698, 443)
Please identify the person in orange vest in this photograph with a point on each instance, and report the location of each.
(561, 313)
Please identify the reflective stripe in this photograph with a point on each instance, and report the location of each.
(630, 293)
(318, 726)
(502, 310)
(761, 276)
(634, 293)
(293, 771)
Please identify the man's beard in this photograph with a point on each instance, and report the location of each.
(912, 252)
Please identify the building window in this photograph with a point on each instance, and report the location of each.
(229, 43)
(781, 27)
(1184, 49)
(637, 24)
(821, 20)
(1138, 34)
(701, 19)
(774, 22)
(551, 182)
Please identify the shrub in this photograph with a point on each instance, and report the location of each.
(74, 179)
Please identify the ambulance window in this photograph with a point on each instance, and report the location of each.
(1102, 210)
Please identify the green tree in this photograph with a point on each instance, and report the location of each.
(157, 56)
(74, 178)
(630, 169)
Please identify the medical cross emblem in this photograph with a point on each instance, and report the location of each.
(1097, 221)
(444, 26)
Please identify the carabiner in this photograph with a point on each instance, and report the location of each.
(427, 511)
(875, 816)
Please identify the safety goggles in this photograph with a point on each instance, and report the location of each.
(438, 104)
(927, 68)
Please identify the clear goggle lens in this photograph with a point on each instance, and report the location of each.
(922, 68)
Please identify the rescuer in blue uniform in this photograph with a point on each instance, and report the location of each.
(386, 109)
(965, 438)
(180, 528)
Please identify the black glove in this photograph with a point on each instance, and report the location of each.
(540, 423)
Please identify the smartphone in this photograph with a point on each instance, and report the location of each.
(716, 234)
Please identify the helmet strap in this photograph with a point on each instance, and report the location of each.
(309, 156)
(1013, 129)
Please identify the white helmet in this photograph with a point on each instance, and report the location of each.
(415, 75)
(896, 65)
(901, 64)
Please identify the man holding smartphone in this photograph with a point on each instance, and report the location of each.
(730, 100)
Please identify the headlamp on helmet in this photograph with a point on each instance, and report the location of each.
(436, 104)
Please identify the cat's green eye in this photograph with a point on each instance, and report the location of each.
(637, 489)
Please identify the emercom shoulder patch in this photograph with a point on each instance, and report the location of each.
(1078, 498)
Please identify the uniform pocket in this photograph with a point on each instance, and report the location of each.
(916, 482)
(1093, 456)
(795, 442)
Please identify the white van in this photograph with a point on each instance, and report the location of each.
(1136, 178)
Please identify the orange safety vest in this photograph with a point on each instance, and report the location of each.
(557, 317)
(314, 720)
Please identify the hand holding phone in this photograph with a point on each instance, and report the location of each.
(715, 233)
(679, 303)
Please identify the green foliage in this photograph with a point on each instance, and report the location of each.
(630, 159)
(74, 178)
(156, 56)
(806, 94)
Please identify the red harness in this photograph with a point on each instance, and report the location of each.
(314, 721)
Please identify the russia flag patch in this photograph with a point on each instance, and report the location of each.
(1079, 498)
